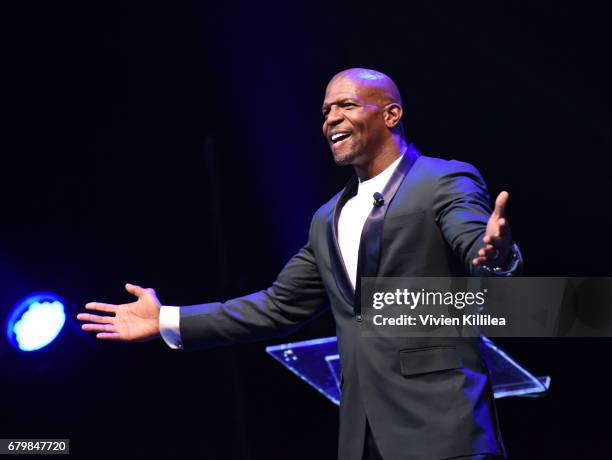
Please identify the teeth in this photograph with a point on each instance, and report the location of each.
(337, 136)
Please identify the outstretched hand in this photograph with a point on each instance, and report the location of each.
(136, 321)
(498, 238)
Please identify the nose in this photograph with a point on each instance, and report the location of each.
(334, 117)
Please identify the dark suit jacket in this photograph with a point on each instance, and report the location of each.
(424, 398)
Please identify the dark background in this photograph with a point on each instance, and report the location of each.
(177, 145)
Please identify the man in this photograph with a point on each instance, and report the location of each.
(401, 398)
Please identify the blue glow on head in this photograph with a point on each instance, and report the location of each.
(35, 321)
(369, 75)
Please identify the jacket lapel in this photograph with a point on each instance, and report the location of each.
(369, 245)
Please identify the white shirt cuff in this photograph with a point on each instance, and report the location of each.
(169, 326)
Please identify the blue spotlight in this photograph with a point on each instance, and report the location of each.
(35, 321)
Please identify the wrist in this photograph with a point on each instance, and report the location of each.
(509, 266)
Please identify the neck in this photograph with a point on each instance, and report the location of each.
(378, 163)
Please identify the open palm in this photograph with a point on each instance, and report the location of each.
(498, 237)
(136, 321)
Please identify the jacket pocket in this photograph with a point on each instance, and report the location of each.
(416, 361)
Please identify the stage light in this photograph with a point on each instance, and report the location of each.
(35, 321)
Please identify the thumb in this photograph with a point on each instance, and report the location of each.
(500, 204)
(134, 289)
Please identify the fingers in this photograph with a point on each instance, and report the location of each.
(486, 255)
(495, 250)
(500, 204)
(499, 233)
(107, 307)
(479, 261)
(490, 251)
(96, 323)
(95, 318)
(494, 247)
(134, 289)
(98, 327)
(503, 228)
(108, 336)
(486, 250)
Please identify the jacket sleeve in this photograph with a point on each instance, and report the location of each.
(462, 210)
(297, 295)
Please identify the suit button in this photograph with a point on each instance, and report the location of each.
(359, 318)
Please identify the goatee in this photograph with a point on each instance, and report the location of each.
(344, 159)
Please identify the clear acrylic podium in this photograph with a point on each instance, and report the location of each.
(317, 363)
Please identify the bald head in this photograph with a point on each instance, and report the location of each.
(376, 82)
(362, 113)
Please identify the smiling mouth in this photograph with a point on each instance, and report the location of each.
(336, 138)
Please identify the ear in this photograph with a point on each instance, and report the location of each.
(393, 114)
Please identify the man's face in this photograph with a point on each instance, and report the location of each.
(353, 123)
